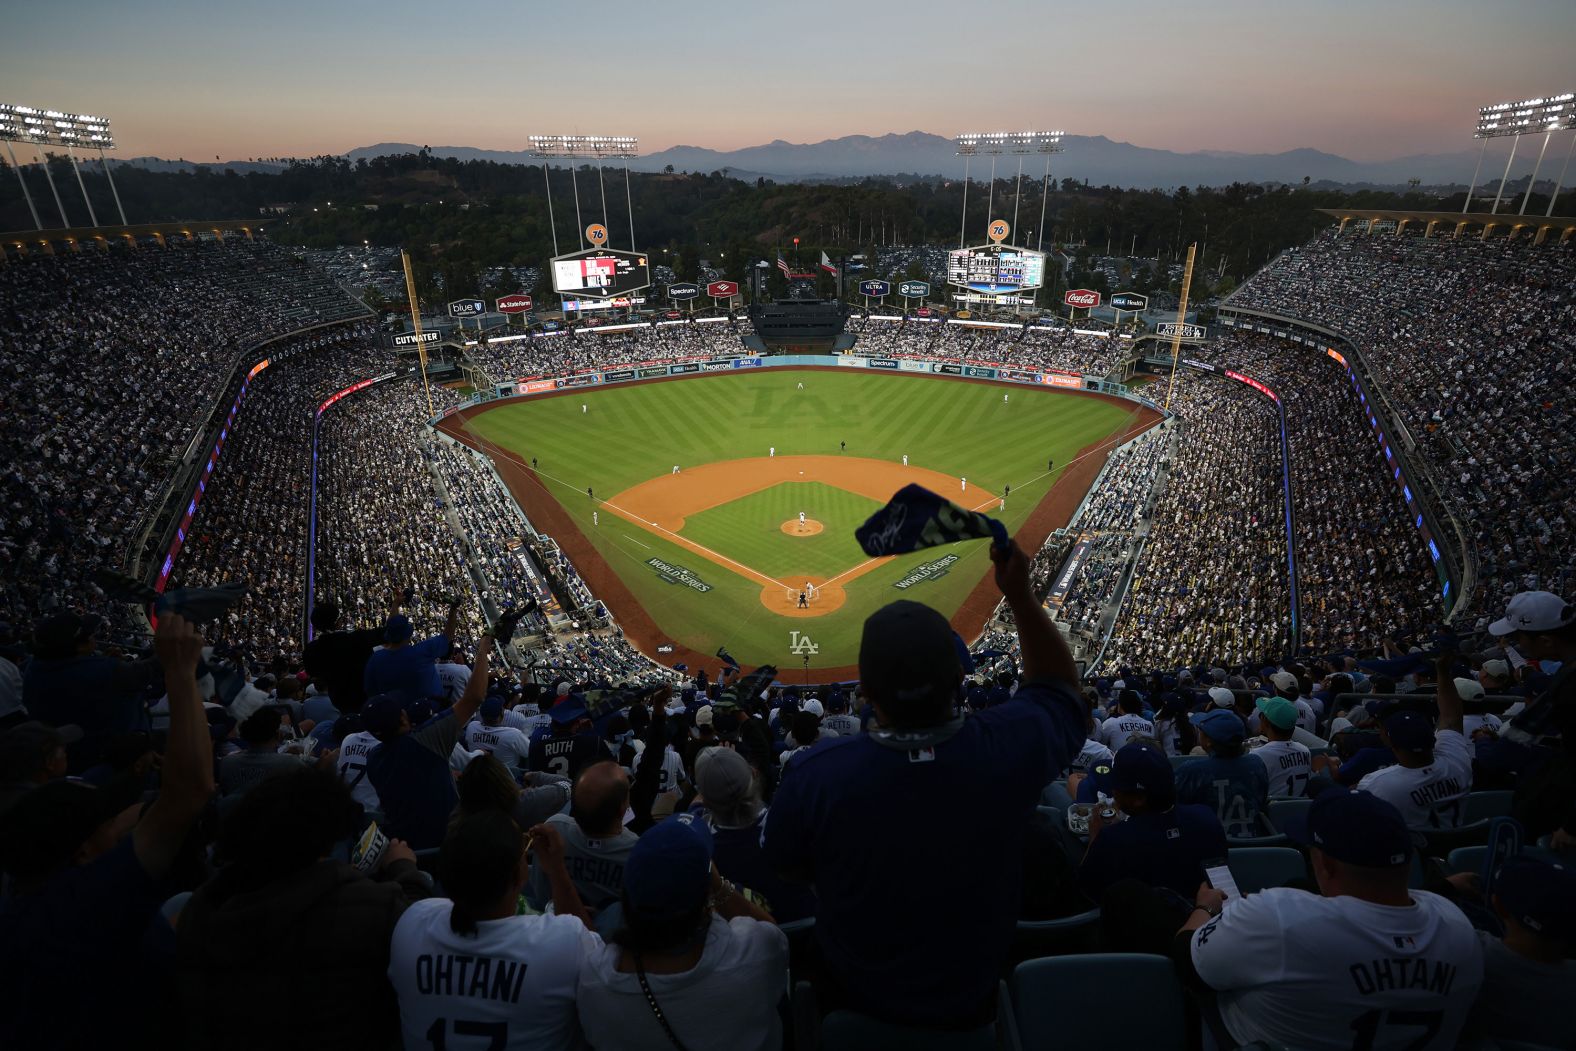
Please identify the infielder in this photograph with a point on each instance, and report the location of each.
(772, 451)
(593, 518)
(675, 468)
(905, 459)
(965, 482)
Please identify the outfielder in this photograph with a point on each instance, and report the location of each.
(965, 482)
(772, 451)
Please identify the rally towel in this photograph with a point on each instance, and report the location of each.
(917, 518)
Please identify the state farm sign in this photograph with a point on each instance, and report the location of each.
(1081, 297)
(519, 303)
(722, 289)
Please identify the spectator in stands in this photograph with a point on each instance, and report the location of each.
(410, 768)
(1432, 773)
(837, 720)
(504, 743)
(1128, 723)
(69, 682)
(1288, 764)
(469, 965)
(596, 845)
(31, 754)
(1531, 965)
(696, 964)
(1157, 842)
(262, 759)
(485, 784)
(290, 924)
(83, 891)
(1225, 778)
(875, 866)
(572, 745)
(1369, 955)
(1542, 627)
(729, 801)
(405, 668)
(337, 660)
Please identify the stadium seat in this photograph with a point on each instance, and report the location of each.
(1056, 795)
(1480, 806)
(1283, 810)
(1178, 760)
(848, 1031)
(1258, 868)
(1054, 1002)
(1058, 937)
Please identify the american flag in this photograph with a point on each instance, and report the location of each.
(782, 264)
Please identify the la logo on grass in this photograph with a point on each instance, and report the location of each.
(800, 644)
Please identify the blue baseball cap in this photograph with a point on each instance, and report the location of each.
(1096, 782)
(492, 707)
(1410, 731)
(1142, 768)
(669, 870)
(1221, 725)
(1539, 895)
(380, 715)
(1356, 827)
(397, 628)
(569, 709)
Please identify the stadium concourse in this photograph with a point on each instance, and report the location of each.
(572, 841)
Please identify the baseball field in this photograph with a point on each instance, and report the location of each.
(680, 501)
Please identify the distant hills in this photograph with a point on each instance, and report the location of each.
(1092, 158)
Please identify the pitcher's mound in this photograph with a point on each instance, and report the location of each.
(809, 527)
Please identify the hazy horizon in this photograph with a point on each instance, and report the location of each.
(1365, 81)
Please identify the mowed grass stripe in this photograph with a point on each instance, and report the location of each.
(634, 433)
(750, 530)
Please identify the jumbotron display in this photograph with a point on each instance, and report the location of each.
(601, 273)
(996, 269)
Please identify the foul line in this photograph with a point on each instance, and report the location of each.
(632, 540)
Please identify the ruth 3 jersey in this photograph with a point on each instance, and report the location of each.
(1299, 970)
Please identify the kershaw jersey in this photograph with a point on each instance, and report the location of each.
(352, 767)
(1428, 796)
(504, 743)
(1289, 764)
(1120, 729)
(508, 987)
(1299, 970)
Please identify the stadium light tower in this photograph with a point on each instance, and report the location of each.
(1515, 119)
(571, 147)
(41, 128)
(994, 144)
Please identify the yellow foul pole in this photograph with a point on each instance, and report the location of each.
(1176, 337)
(421, 348)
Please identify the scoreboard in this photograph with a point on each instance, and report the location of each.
(996, 269)
(600, 272)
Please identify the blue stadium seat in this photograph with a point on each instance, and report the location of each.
(1480, 806)
(1258, 868)
(1058, 937)
(1282, 810)
(848, 1031)
(1053, 1002)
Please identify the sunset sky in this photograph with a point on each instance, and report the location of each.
(1369, 79)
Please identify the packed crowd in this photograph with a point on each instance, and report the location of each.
(1465, 338)
(1034, 346)
(419, 848)
(1211, 582)
(115, 359)
(554, 354)
(1362, 569)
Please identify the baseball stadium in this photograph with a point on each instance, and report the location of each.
(635, 590)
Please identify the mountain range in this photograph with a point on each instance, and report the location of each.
(1092, 158)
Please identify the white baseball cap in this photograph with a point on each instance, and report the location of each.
(1496, 668)
(1469, 689)
(1284, 680)
(1221, 697)
(703, 716)
(813, 706)
(1534, 611)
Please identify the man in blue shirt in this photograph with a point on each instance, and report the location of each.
(873, 820)
(69, 681)
(405, 668)
(1159, 842)
(1226, 779)
(410, 767)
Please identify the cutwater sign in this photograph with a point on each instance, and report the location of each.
(875, 288)
(410, 339)
(677, 574)
(914, 289)
(926, 571)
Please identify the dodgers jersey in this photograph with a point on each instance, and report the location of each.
(1289, 764)
(1428, 796)
(1300, 970)
(508, 987)
(1120, 729)
(351, 765)
(506, 744)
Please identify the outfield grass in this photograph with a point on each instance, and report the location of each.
(628, 434)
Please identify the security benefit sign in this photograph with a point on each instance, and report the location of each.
(932, 570)
(677, 575)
